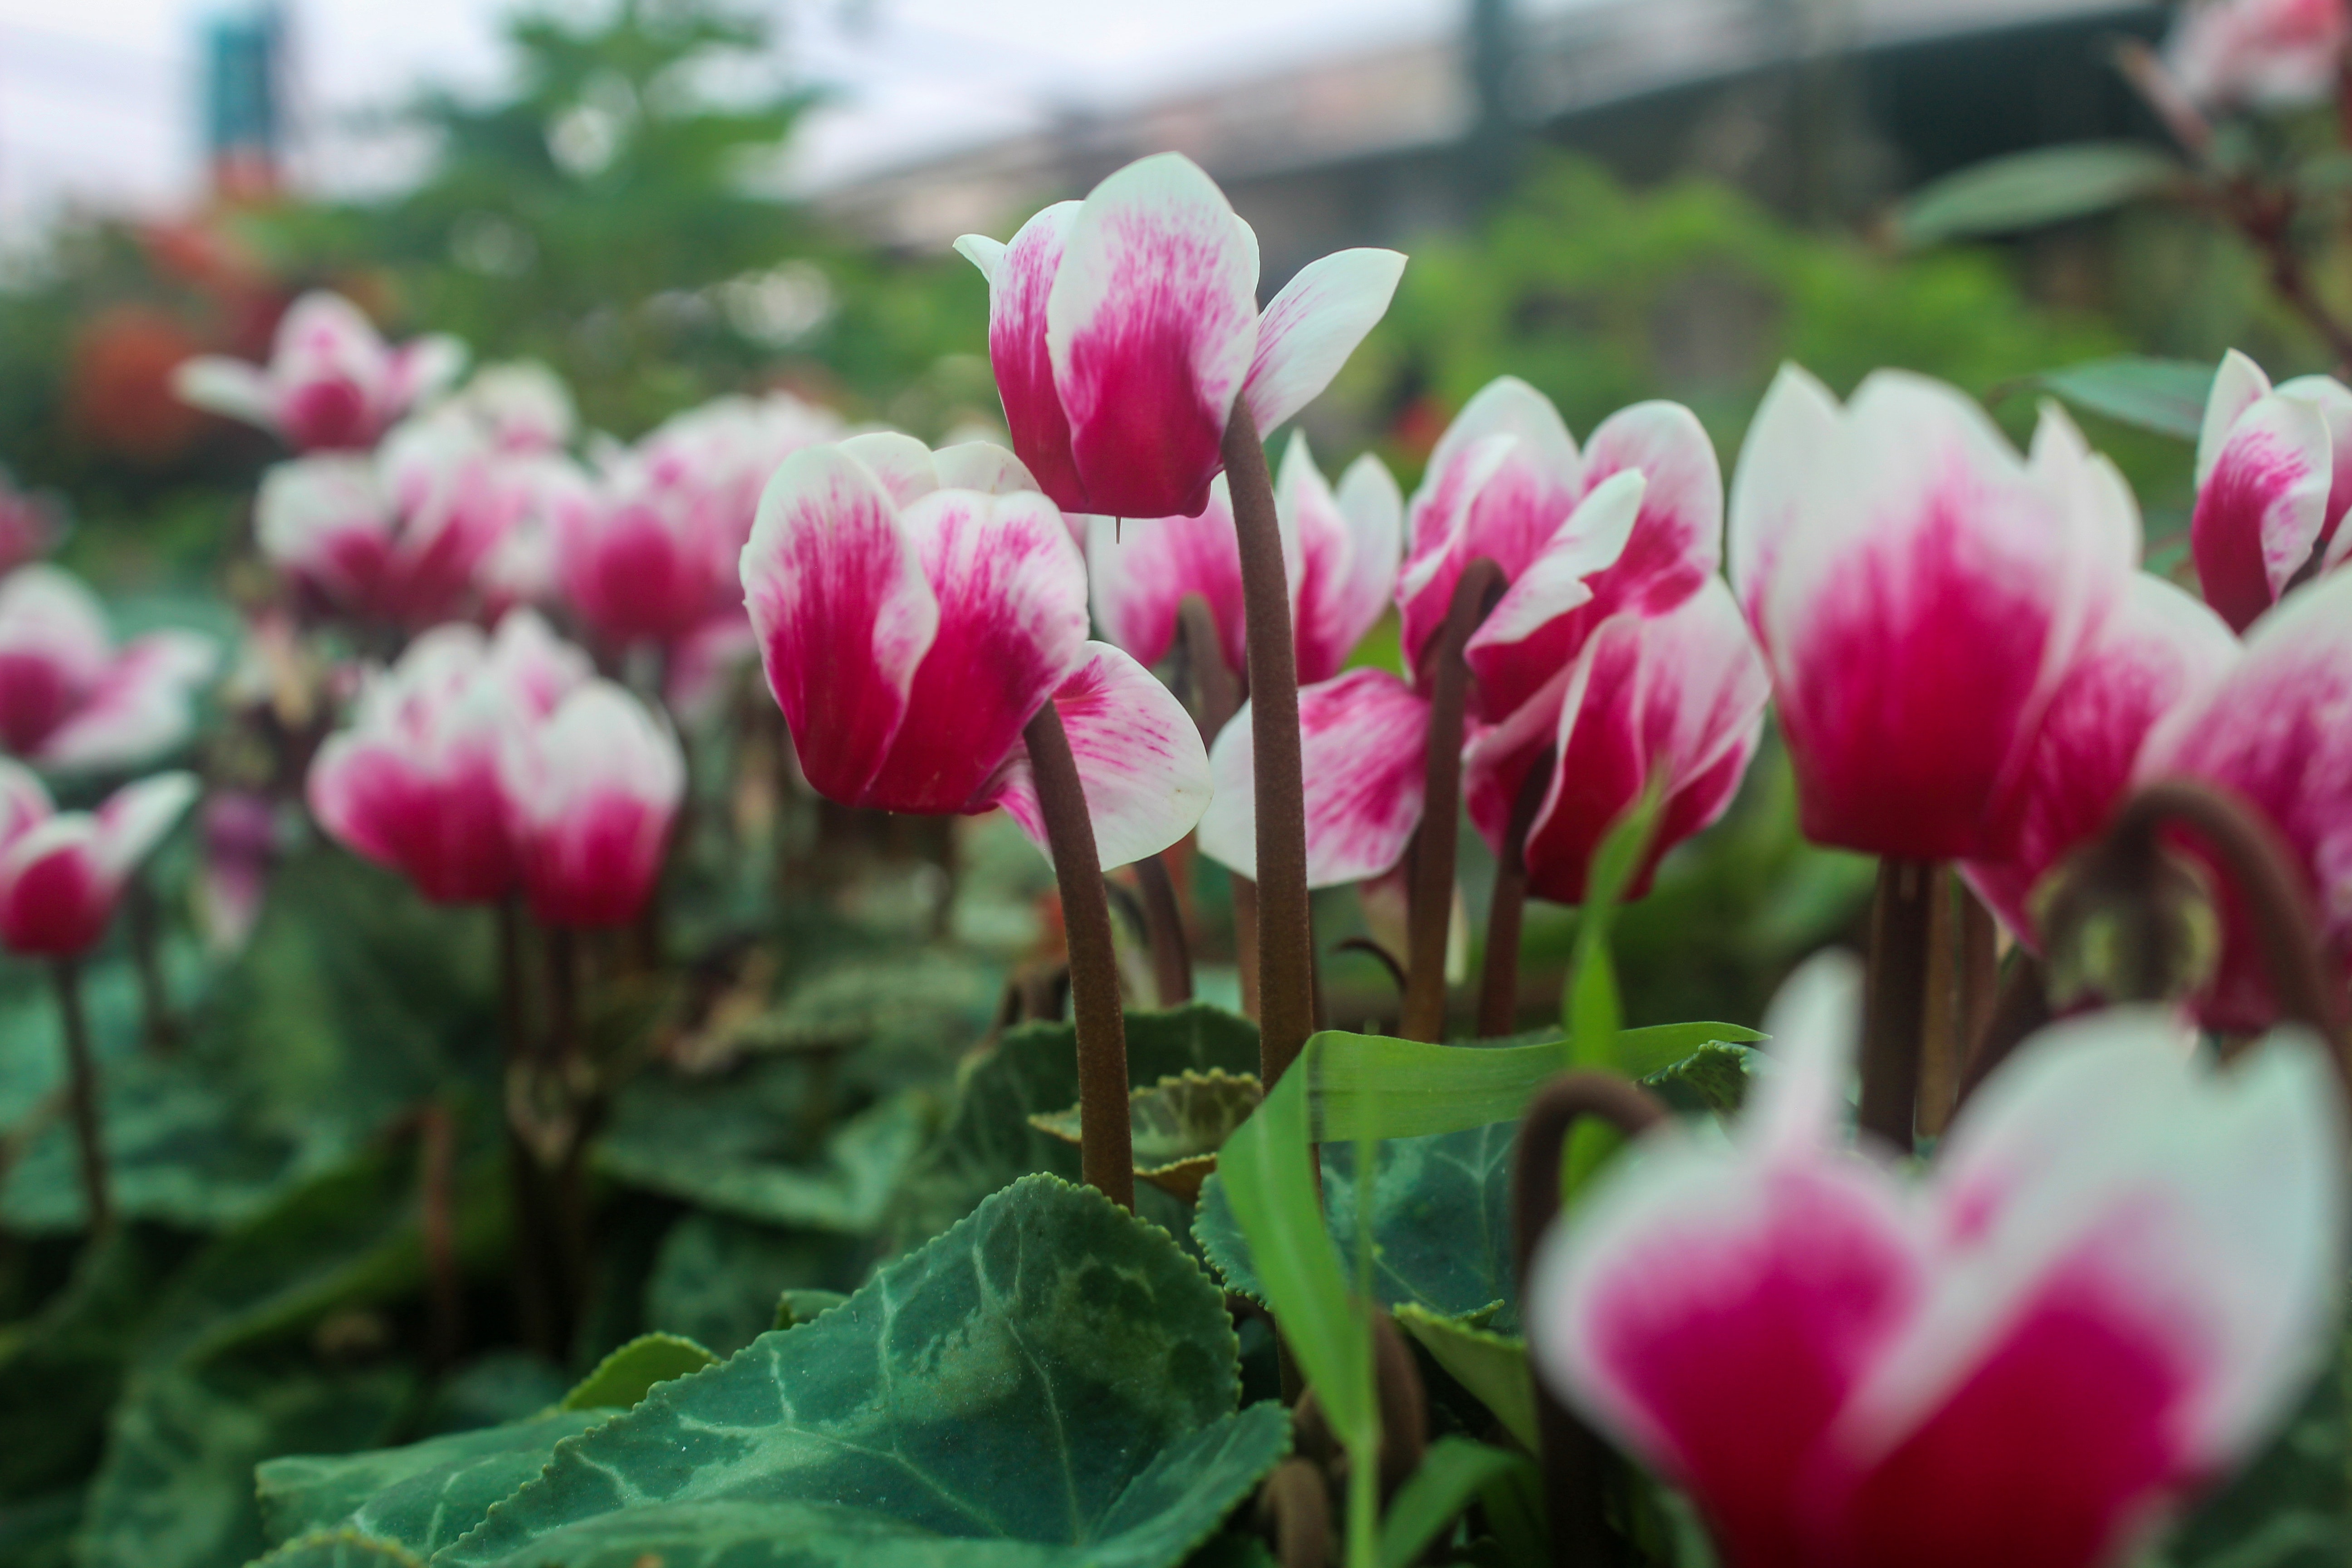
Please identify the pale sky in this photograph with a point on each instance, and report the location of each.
(98, 98)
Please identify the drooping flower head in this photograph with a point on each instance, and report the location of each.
(69, 699)
(1919, 592)
(331, 385)
(2121, 1271)
(916, 610)
(1124, 327)
(61, 873)
(2269, 491)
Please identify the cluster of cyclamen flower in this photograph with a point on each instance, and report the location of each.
(2123, 1268)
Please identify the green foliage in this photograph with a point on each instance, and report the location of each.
(422, 1497)
(1179, 1124)
(626, 1376)
(2160, 394)
(1451, 1473)
(340, 1549)
(1093, 1352)
(2031, 189)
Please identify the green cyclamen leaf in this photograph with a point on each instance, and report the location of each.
(1098, 1358)
(340, 1549)
(1450, 1474)
(2166, 396)
(1491, 1365)
(423, 1496)
(2027, 190)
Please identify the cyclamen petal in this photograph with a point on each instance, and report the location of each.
(1674, 702)
(591, 793)
(1311, 328)
(1502, 480)
(2121, 1272)
(1011, 592)
(1920, 594)
(1346, 546)
(2155, 648)
(1140, 762)
(1545, 615)
(1151, 324)
(2260, 510)
(1361, 739)
(2273, 729)
(1797, 428)
(61, 875)
(844, 614)
(1142, 571)
(142, 706)
(1020, 279)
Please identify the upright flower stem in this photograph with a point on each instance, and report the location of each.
(1895, 997)
(1286, 959)
(2021, 1007)
(1106, 1136)
(145, 922)
(81, 1093)
(1941, 1044)
(1499, 981)
(1573, 1459)
(527, 1184)
(1430, 903)
(569, 1197)
(1163, 927)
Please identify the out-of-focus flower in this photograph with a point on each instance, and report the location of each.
(651, 553)
(1508, 483)
(1919, 593)
(911, 628)
(1340, 558)
(591, 792)
(2271, 53)
(2155, 647)
(2122, 1269)
(2270, 493)
(399, 536)
(414, 782)
(521, 405)
(333, 383)
(704, 663)
(1123, 328)
(29, 524)
(239, 833)
(1673, 702)
(61, 873)
(69, 699)
(2276, 727)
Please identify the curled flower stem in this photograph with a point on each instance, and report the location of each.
(1163, 928)
(82, 1087)
(1572, 1458)
(1499, 981)
(1895, 997)
(1106, 1138)
(1430, 903)
(1286, 957)
(1294, 1507)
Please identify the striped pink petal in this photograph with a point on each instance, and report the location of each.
(1142, 569)
(1347, 545)
(1311, 328)
(1151, 324)
(1361, 739)
(1020, 279)
(1140, 762)
(2261, 506)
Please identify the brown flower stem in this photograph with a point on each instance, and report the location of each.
(564, 1174)
(1285, 937)
(1106, 1138)
(1941, 1044)
(1498, 979)
(527, 1186)
(436, 1161)
(1163, 929)
(2262, 870)
(1429, 907)
(81, 1094)
(1574, 1461)
(1895, 997)
(1216, 698)
(1294, 1506)
(1980, 967)
(2022, 1007)
(144, 920)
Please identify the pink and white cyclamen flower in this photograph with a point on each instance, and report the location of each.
(2120, 1271)
(62, 873)
(331, 383)
(2264, 53)
(1919, 593)
(1125, 328)
(69, 699)
(915, 610)
(2271, 490)
(591, 792)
